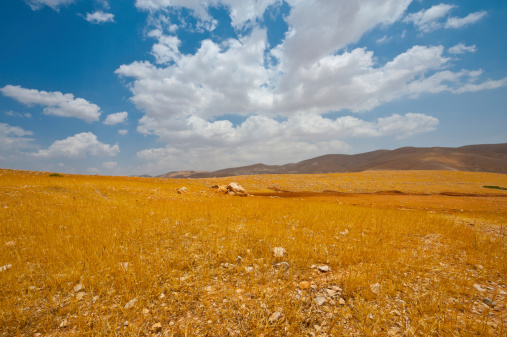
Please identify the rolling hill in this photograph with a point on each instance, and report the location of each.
(475, 158)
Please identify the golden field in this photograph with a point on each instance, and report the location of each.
(410, 253)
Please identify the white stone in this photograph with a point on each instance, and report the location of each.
(130, 304)
(78, 287)
(479, 288)
(323, 269)
(279, 251)
(182, 190)
(4, 268)
(320, 300)
(275, 316)
(237, 189)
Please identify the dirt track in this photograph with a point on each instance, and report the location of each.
(441, 202)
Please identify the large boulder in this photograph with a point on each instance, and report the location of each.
(237, 189)
(182, 190)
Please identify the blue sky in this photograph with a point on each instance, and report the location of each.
(126, 87)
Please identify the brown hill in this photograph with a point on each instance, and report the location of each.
(475, 158)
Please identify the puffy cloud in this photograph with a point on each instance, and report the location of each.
(333, 25)
(207, 145)
(454, 22)
(99, 17)
(58, 104)
(218, 79)
(214, 81)
(461, 48)
(123, 132)
(283, 91)
(54, 4)
(427, 20)
(78, 146)
(116, 118)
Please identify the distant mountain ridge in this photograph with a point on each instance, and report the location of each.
(476, 158)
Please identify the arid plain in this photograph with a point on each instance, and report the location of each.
(387, 253)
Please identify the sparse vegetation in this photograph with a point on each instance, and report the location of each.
(91, 255)
(58, 175)
(496, 187)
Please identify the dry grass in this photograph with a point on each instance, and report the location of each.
(201, 264)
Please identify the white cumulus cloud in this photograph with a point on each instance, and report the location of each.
(461, 48)
(78, 146)
(99, 17)
(281, 93)
(116, 118)
(58, 104)
(123, 132)
(207, 145)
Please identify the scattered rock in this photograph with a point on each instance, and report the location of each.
(146, 312)
(479, 288)
(489, 302)
(320, 300)
(341, 301)
(275, 316)
(279, 251)
(156, 328)
(10, 244)
(282, 265)
(183, 190)
(7, 266)
(322, 268)
(345, 232)
(227, 265)
(80, 296)
(214, 186)
(209, 289)
(64, 323)
(375, 288)
(78, 287)
(479, 267)
(393, 331)
(304, 285)
(130, 304)
(124, 265)
(331, 292)
(237, 189)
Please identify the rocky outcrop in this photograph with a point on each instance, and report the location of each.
(236, 189)
(231, 189)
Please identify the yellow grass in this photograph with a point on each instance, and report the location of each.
(201, 264)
